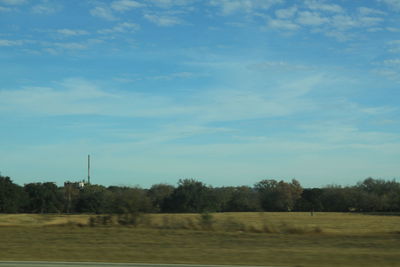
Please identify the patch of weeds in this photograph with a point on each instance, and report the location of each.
(146, 221)
(100, 220)
(253, 229)
(129, 219)
(172, 223)
(166, 222)
(317, 229)
(292, 229)
(190, 224)
(206, 221)
(232, 225)
(69, 224)
(268, 228)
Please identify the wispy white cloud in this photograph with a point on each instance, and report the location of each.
(77, 96)
(167, 4)
(335, 133)
(176, 75)
(279, 65)
(339, 35)
(286, 13)
(126, 78)
(107, 11)
(392, 3)
(56, 48)
(392, 29)
(72, 32)
(378, 110)
(395, 61)
(102, 12)
(323, 6)
(323, 17)
(5, 9)
(13, 2)
(370, 11)
(232, 105)
(344, 22)
(229, 7)
(71, 45)
(162, 20)
(281, 24)
(388, 73)
(390, 67)
(4, 42)
(166, 133)
(121, 28)
(125, 5)
(311, 18)
(394, 46)
(366, 21)
(46, 7)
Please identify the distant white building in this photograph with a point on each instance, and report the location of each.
(76, 185)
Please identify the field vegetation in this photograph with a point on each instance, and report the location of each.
(277, 239)
(273, 223)
(192, 196)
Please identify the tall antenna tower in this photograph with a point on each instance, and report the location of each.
(88, 169)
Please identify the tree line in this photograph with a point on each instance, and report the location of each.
(193, 196)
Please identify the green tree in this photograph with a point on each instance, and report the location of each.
(94, 199)
(43, 198)
(310, 200)
(379, 195)
(130, 200)
(278, 196)
(158, 193)
(338, 198)
(243, 198)
(223, 196)
(191, 196)
(12, 196)
(71, 194)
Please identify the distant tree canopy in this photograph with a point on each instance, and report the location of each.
(12, 196)
(278, 196)
(193, 196)
(43, 198)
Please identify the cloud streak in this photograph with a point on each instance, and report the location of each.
(103, 12)
(72, 32)
(229, 7)
(125, 5)
(161, 20)
(124, 27)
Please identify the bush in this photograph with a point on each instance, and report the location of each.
(100, 220)
(232, 225)
(206, 221)
(132, 219)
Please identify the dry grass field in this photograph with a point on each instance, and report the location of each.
(279, 239)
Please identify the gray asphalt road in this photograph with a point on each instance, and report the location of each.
(92, 264)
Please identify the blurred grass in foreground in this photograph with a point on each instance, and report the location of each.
(291, 239)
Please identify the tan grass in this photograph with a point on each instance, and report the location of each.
(334, 223)
(288, 239)
(40, 219)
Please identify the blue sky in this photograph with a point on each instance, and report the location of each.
(225, 91)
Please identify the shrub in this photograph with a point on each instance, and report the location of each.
(232, 225)
(100, 220)
(206, 221)
(132, 219)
